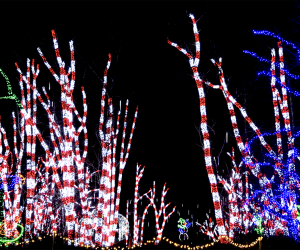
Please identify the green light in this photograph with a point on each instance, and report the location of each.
(5, 240)
(298, 216)
(11, 95)
(259, 228)
(181, 223)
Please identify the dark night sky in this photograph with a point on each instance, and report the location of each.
(153, 74)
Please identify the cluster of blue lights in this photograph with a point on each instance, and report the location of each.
(280, 200)
(12, 181)
(268, 33)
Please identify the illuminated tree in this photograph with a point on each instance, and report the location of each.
(194, 63)
(58, 182)
(273, 194)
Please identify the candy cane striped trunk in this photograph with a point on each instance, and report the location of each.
(245, 205)
(138, 177)
(30, 176)
(88, 221)
(39, 205)
(229, 189)
(207, 156)
(35, 74)
(285, 111)
(30, 124)
(66, 149)
(237, 178)
(17, 188)
(107, 181)
(51, 212)
(127, 231)
(194, 63)
(79, 229)
(100, 205)
(67, 159)
(234, 218)
(256, 168)
(143, 221)
(116, 200)
(135, 222)
(115, 207)
(287, 124)
(158, 231)
(7, 203)
(262, 179)
(123, 158)
(7, 200)
(110, 195)
(49, 195)
(112, 221)
(30, 184)
(276, 108)
(44, 145)
(278, 132)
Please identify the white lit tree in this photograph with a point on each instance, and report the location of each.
(58, 182)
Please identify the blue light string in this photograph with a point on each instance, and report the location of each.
(277, 65)
(284, 191)
(268, 33)
(294, 92)
(278, 191)
(293, 224)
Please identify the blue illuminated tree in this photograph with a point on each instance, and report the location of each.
(277, 193)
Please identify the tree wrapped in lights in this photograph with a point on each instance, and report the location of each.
(10, 168)
(54, 178)
(138, 224)
(194, 63)
(280, 207)
(274, 199)
(209, 228)
(240, 212)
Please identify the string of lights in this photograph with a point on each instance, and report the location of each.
(11, 95)
(148, 242)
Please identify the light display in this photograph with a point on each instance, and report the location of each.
(138, 177)
(284, 203)
(54, 178)
(274, 193)
(58, 194)
(183, 228)
(209, 228)
(138, 225)
(15, 234)
(194, 63)
(161, 212)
